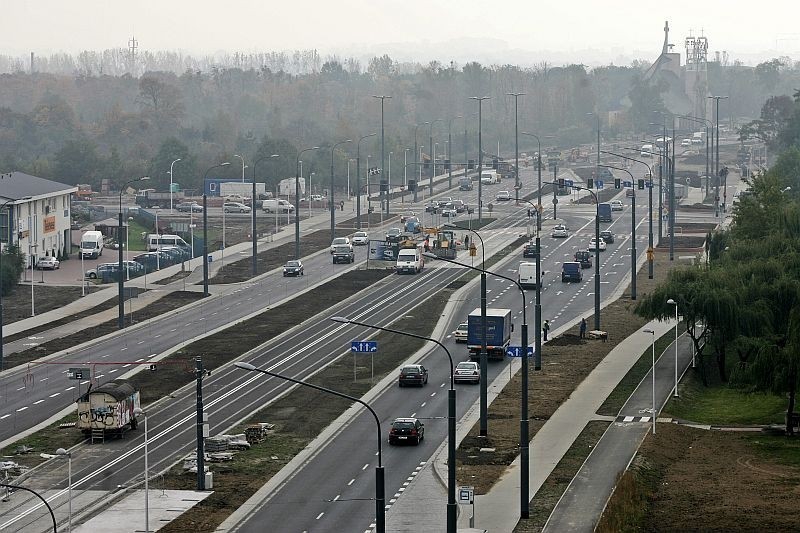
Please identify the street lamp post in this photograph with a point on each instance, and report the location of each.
(597, 164)
(253, 212)
(418, 150)
(297, 201)
(517, 184)
(120, 277)
(450, 152)
(139, 412)
(44, 501)
(64, 453)
(452, 506)
(673, 302)
(384, 194)
(242, 158)
(380, 491)
(330, 193)
(433, 155)
(633, 230)
(205, 229)
(480, 100)
(358, 178)
(170, 184)
(539, 174)
(653, 371)
(716, 134)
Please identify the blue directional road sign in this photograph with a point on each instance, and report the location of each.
(627, 184)
(569, 183)
(516, 351)
(648, 184)
(598, 184)
(364, 346)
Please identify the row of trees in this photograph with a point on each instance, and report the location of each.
(742, 309)
(12, 265)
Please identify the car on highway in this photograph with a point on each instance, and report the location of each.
(413, 375)
(529, 250)
(48, 263)
(293, 268)
(467, 371)
(189, 207)
(406, 430)
(686, 142)
(360, 238)
(502, 196)
(449, 211)
(235, 207)
(431, 207)
(560, 231)
(460, 333)
(343, 254)
(461, 207)
(394, 235)
(584, 257)
(608, 236)
(630, 193)
(317, 198)
(571, 272)
(616, 205)
(340, 241)
(595, 244)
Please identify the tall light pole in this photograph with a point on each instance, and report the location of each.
(597, 164)
(120, 277)
(61, 452)
(358, 178)
(716, 165)
(418, 151)
(205, 229)
(384, 194)
(673, 302)
(44, 501)
(297, 201)
(452, 506)
(380, 492)
(633, 230)
(253, 212)
(480, 100)
(653, 371)
(405, 168)
(433, 154)
(539, 175)
(170, 184)
(242, 158)
(517, 183)
(139, 412)
(450, 152)
(330, 193)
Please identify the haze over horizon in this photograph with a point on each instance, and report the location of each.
(520, 32)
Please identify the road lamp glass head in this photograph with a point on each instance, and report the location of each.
(244, 366)
(672, 302)
(340, 319)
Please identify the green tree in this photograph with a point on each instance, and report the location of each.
(13, 264)
(184, 171)
(77, 162)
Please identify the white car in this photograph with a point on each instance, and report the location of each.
(460, 334)
(686, 142)
(616, 205)
(360, 238)
(593, 244)
(560, 232)
(235, 207)
(468, 371)
(503, 196)
(341, 241)
(48, 263)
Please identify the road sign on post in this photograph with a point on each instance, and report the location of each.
(364, 346)
(516, 351)
(466, 495)
(78, 373)
(598, 184)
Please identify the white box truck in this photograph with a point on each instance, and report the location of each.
(92, 244)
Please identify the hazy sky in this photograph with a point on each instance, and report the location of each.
(590, 31)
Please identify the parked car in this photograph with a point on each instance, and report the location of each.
(595, 244)
(467, 371)
(502, 196)
(360, 238)
(235, 207)
(148, 260)
(413, 375)
(529, 250)
(293, 268)
(616, 205)
(394, 235)
(48, 263)
(102, 271)
(560, 231)
(607, 236)
(189, 207)
(340, 241)
(460, 334)
(406, 430)
(584, 257)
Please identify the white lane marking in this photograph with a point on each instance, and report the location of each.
(433, 394)
(123, 349)
(320, 515)
(44, 379)
(423, 404)
(337, 497)
(22, 408)
(21, 388)
(37, 402)
(85, 382)
(413, 414)
(55, 394)
(4, 416)
(351, 482)
(365, 466)
(106, 355)
(141, 359)
(140, 342)
(126, 366)
(68, 388)
(112, 370)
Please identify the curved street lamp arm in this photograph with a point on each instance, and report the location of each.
(19, 487)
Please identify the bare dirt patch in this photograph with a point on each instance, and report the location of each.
(17, 305)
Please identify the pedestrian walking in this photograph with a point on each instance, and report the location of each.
(583, 328)
(341, 205)
(545, 329)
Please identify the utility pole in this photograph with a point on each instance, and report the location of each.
(384, 191)
(517, 184)
(201, 474)
(480, 100)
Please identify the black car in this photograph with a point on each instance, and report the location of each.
(529, 250)
(293, 268)
(431, 207)
(413, 375)
(343, 254)
(394, 235)
(584, 257)
(186, 207)
(607, 236)
(406, 430)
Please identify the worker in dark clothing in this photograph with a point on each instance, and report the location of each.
(545, 329)
(583, 328)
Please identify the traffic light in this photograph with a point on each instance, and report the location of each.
(384, 186)
(640, 184)
(471, 164)
(412, 185)
(616, 183)
(590, 183)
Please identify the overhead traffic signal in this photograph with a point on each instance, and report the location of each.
(640, 184)
(616, 183)
(590, 183)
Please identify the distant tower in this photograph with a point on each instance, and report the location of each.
(31, 62)
(696, 77)
(133, 46)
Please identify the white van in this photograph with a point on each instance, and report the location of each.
(156, 242)
(410, 260)
(92, 244)
(489, 178)
(277, 206)
(527, 275)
